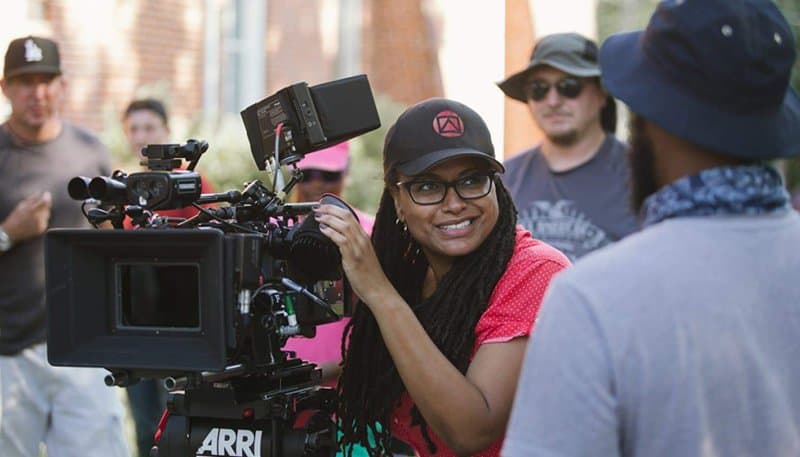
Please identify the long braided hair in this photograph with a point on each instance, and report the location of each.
(370, 386)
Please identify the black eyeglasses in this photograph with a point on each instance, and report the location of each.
(326, 176)
(432, 192)
(569, 87)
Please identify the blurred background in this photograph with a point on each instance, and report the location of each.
(209, 59)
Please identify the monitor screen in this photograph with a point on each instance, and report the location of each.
(158, 295)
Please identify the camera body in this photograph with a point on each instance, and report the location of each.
(169, 303)
(208, 302)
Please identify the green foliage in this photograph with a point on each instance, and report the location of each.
(114, 138)
(614, 16)
(227, 164)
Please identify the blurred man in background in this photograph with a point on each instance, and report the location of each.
(571, 190)
(145, 121)
(325, 172)
(69, 409)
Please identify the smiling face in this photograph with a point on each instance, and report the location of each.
(454, 227)
(566, 120)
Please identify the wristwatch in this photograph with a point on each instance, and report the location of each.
(5, 241)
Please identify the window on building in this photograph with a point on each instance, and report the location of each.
(234, 74)
(243, 54)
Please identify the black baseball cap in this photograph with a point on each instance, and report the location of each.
(571, 53)
(433, 131)
(31, 55)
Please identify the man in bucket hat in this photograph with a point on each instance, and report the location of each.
(69, 409)
(683, 338)
(571, 190)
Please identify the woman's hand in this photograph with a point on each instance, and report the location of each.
(359, 260)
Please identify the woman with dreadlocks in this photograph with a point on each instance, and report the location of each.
(449, 287)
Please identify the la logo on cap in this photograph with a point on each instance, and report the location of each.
(448, 124)
(33, 53)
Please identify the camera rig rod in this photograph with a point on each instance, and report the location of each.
(172, 383)
(232, 196)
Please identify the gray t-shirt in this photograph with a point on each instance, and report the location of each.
(26, 169)
(578, 210)
(680, 340)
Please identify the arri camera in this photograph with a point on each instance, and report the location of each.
(207, 303)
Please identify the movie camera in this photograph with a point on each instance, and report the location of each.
(207, 303)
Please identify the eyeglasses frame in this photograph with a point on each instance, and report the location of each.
(447, 185)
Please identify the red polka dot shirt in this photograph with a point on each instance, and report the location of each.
(512, 310)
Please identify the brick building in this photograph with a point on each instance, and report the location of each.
(208, 57)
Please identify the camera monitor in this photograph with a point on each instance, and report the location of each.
(313, 118)
(143, 299)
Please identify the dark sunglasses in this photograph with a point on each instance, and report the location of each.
(327, 176)
(569, 87)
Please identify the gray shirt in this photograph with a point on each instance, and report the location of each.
(680, 340)
(578, 210)
(26, 169)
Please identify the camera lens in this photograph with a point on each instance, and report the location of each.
(78, 188)
(107, 189)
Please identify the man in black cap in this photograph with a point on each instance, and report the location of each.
(682, 339)
(571, 190)
(69, 409)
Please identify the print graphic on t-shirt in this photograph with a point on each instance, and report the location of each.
(563, 226)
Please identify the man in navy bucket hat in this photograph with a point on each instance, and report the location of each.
(682, 339)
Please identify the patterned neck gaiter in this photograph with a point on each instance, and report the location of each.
(728, 190)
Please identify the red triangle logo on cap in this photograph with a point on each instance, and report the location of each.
(448, 124)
